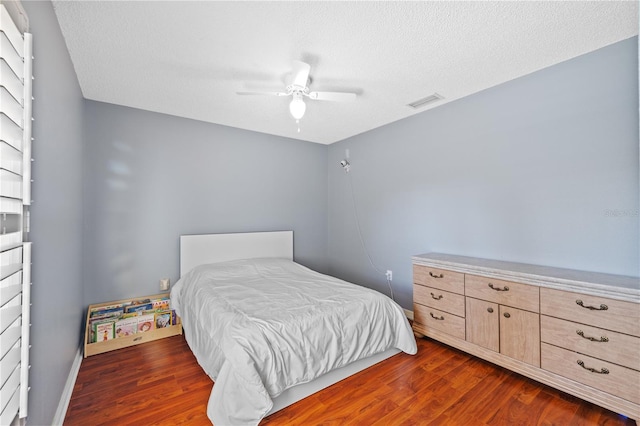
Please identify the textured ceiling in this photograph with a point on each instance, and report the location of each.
(189, 58)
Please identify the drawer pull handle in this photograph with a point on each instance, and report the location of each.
(507, 315)
(593, 370)
(436, 276)
(490, 310)
(505, 288)
(440, 318)
(592, 308)
(433, 296)
(593, 339)
(137, 339)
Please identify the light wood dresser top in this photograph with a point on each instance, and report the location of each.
(594, 283)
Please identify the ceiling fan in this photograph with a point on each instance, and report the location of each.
(299, 89)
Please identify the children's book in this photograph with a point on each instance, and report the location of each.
(95, 320)
(161, 304)
(137, 308)
(146, 322)
(126, 327)
(107, 307)
(104, 330)
(163, 319)
(137, 302)
(104, 313)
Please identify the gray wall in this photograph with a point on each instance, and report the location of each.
(152, 177)
(56, 215)
(541, 170)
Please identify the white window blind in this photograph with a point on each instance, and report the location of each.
(15, 198)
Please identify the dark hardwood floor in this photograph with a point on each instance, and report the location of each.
(160, 383)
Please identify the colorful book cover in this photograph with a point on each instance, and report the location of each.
(162, 304)
(146, 323)
(137, 302)
(163, 319)
(93, 321)
(106, 307)
(106, 312)
(104, 331)
(126, 327)
(137, 308)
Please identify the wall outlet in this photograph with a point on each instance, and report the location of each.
(164, 284)
(389, 275)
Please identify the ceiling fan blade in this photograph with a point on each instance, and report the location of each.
(333, 96)
(263, 93)
(300, 73)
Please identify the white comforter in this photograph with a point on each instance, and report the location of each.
(260, 326)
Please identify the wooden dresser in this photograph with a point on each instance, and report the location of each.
(573, 330)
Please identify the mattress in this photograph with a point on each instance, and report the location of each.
(260, 326)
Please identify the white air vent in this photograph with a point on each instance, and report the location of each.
(425, 101)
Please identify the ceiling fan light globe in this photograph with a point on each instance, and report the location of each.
(297, 107)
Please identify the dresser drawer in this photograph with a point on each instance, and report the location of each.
(438, 320)
(508, 293)
(611, 346)
(608, 377)
(597, 311)
(439, 299)
(439, 278)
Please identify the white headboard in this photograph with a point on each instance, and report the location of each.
(211, 248)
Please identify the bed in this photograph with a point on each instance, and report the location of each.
(269, 331)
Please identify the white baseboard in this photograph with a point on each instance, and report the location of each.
(65, 398)
(409, 314)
